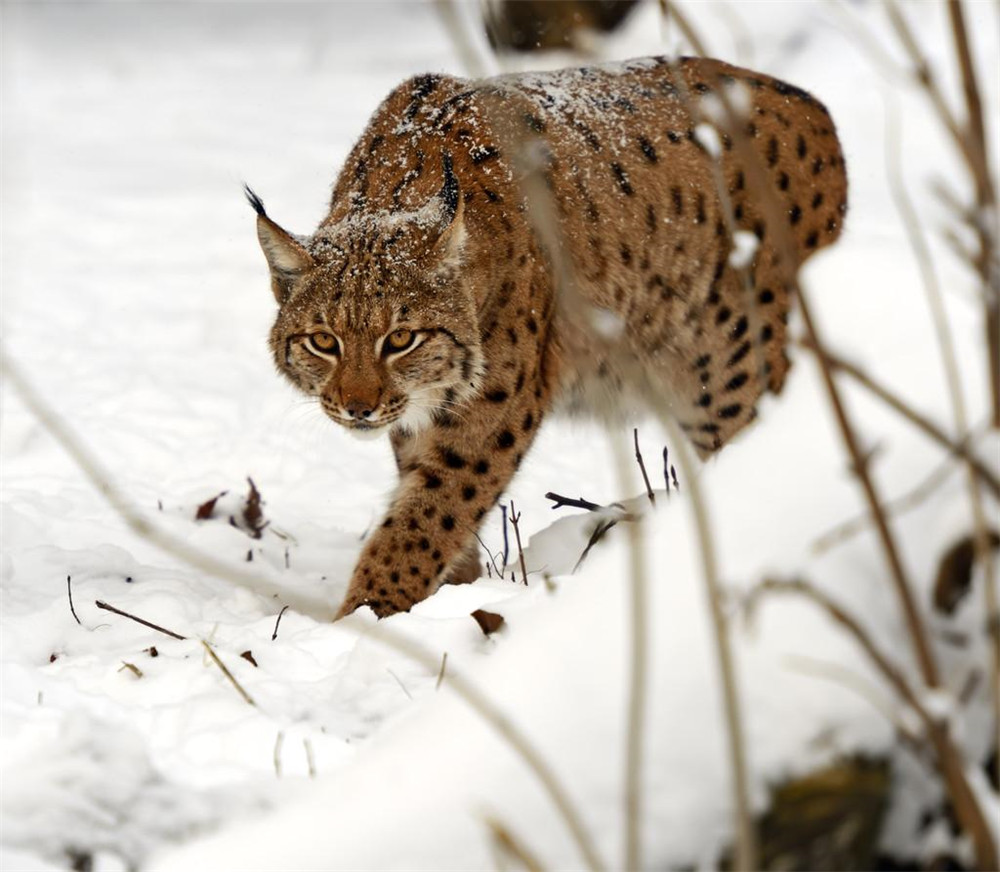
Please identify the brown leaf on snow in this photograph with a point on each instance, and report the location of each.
(253, 517)
(206, 508)
(489, 622)
(954, 575)
(248, 656)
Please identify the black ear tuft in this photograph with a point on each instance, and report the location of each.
(254, 200)
(449, 190)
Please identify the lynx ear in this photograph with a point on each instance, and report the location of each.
(452, 239)
(286, 256)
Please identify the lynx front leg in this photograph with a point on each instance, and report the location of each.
(451, 475)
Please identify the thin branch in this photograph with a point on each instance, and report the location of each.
(157, 627)
(746, 837)
(514, 518)
(284, 609)
(904, 503)
(505, 841)
(638, 669)
(69, 593)
(642, 467)
(581, 503)
(225, 671)
(600, 531)
(960, 449)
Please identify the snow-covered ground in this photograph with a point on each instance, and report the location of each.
(136, 301)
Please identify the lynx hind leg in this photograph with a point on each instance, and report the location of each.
(737, 354)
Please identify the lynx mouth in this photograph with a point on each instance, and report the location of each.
(366, 430)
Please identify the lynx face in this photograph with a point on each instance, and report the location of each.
(376, 324)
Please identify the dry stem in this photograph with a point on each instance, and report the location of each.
(746, 837)
(514, 518)
(637, 673)
(225, 671)
(960, 449)
(642, 468)
(157, 627)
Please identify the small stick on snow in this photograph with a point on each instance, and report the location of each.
(666, 468)
(399, 681)
(274, 635)
(642, 467)
(69, 591)
(506, 541)
(444, 661)
(152, 626)
(310, 762)
(514, 518)
(227, 673)
(508, 845)
(278, 742)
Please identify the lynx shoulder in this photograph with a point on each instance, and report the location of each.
(480, 228)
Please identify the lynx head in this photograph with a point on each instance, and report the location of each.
(373, 318)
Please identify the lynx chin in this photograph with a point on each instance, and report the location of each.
(431, 305)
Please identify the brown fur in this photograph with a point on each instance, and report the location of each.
(430, 231)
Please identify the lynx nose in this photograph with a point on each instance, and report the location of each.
(360, 408)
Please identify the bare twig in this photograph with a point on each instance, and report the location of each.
(514, 518)
(642, 467)
(399, 681)
(505, 842)
(157, 627)
(278, 742)
(960, 449)
(948, 358)
(310, 760)
(600, 531)
(440, 678)
(225, 671)
(904, 503)
(637, 670)
(581, 503)
(69, 593)
(274, 635)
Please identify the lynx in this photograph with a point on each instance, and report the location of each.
(429, 305)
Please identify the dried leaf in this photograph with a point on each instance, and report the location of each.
(248, 656)
(131, 667)
(206, 508)
(954, 575)
(253, 516)
(488, 621)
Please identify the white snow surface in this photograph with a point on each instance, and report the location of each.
(136, 300)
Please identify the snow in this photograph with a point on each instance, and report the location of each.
(136, 300)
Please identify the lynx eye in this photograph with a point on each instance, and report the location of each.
(399, 340)
(324, 343)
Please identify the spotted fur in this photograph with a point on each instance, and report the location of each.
(431, 239)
